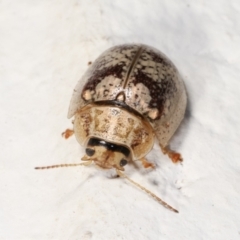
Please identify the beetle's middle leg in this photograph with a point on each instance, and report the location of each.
(174, 156)
(67, 133)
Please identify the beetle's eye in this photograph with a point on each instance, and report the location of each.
(123, 162)
(90, 151)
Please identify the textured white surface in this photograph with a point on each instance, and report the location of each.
(45, 47)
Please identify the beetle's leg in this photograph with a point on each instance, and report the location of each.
(174, 156)
(68, 133)
(146, 164)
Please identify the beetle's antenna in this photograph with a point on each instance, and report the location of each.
(147, 191)
(64, 165)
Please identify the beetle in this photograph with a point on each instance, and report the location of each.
(129, 96)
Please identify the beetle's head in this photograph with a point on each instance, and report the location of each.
(107, 155)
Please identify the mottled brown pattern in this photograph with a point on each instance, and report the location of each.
(102, 123)
(159, 59)
(98, 76)
(115, 62)
(139, 136)
(122, 130)
(86, 121)
(141, 82)
(159, 91)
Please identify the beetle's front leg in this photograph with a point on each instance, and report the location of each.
(67, 133)
(146, 164)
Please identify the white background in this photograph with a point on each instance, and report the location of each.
(44, 50)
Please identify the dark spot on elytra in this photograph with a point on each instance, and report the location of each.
(159, 91)
(117, 70)
(98, 75)
(159, 58)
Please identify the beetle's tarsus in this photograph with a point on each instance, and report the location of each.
(68, 133)
(174, 156)
(147, 164)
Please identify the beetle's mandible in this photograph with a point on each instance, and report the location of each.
(129, 96)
